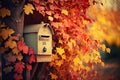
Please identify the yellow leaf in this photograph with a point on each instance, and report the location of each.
(108, 50)
(6, 32)
(53, 76)
(11, 44)
(4, 12)
(19, 57)
(50, 18)
(15, 51)
(103, 47)
(60, 51)
(77, 61)
(28, 9)
(64, 12)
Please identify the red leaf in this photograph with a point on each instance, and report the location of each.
(31, 51)
(32, 59)
(18, 76)
(22, 47)
(19, 67)
(29, 67)
(25, 49)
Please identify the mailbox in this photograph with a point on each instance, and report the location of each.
(39, 37)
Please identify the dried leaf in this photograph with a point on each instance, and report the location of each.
(28, 9)
(10, 44)
(4, 12)
(53, 76)
(19, 57)
(2, 50)
(15, 51)
(10, 57)
(8, 69)
(5, 33)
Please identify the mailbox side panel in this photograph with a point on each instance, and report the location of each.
(31, 41)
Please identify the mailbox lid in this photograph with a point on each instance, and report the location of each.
(36, 28)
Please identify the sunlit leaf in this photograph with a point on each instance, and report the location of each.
(50, 18)
(108, 50)
(60, 51)
(77, 61)
(65, 12)
(28, 9)
(4, 12)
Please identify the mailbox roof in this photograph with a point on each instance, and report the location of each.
(36, 28)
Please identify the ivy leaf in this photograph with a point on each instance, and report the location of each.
(19, 57)
(10, 57)
(53, 76)
(65, 12)
(4, 12)
(15, 51)
(22, 47)
(32, 59)
(28, 9)
(18, 76)
(29, 67)
(5, 33)
(19, 67)
(10, 44)
(31, 51)
(8, 69)
(60, 51)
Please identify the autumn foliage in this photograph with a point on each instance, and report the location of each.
(76, 53)
(76, 44)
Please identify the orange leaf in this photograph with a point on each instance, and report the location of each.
(28, 9)
(4, 12)
(53, 76)
(5, 33)
(19, 57)
(11, 44)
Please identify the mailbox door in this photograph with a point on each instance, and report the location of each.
(44, 41)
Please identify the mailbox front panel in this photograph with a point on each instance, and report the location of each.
(44, 41)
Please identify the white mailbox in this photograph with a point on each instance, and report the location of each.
(39, 37)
